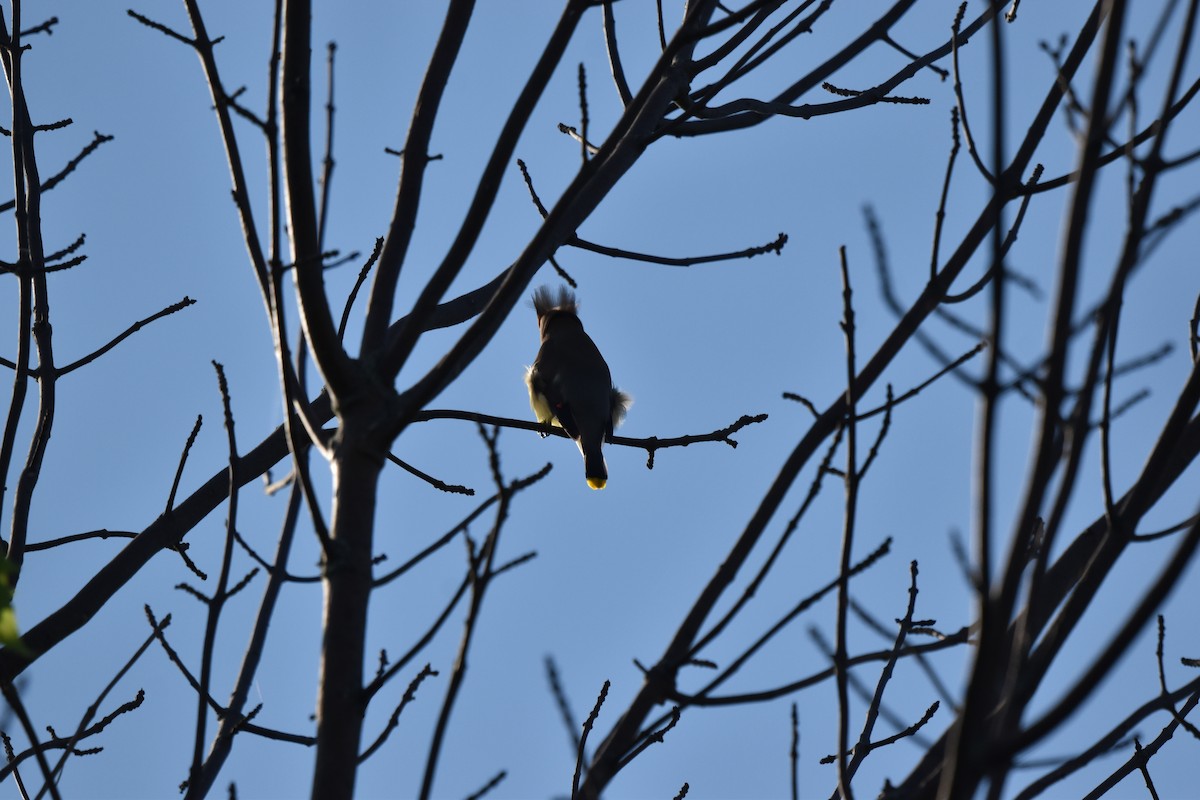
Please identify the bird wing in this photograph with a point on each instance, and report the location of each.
(548, 403)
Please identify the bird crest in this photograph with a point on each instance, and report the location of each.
(546, 300)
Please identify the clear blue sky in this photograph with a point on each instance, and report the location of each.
(696, 347)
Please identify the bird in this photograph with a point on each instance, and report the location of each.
(569, 383)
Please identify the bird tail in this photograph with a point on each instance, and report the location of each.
(594, 468)
(621, 401)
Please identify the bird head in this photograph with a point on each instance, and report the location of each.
(555, 308)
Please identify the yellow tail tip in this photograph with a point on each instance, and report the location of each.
(597, 483)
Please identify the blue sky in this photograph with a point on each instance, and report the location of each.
(697, 347)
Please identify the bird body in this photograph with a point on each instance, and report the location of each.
(570, 384)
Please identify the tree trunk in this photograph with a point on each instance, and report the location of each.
(356, 468)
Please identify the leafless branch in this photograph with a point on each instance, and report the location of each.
(583, 737)
(487, 787)
(560, 701)
(432, 481)
(132, 329)
(409, 695)
(362, 277)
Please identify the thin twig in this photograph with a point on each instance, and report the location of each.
(922, 663)
(85, 728)
(1142, 758)
(18, 707)
(776, 246)
(614, 55)
(132, 329)
(864, 745)
(233, 720)
(386, 674)
(581, 749)
(786, 619)
(481, 569)
(939, 217)
(57, 178)
(12, 761)
(158, 26)
(327, 163)
(560, 701)
(844, 772)
(58, 255)
(394, 720)
(959, 637)
(187, 447)
(1162, 679)
(794, 753)
(220, 594)
(487, 787)
(461, 527)
(962, 103)
(651, 737)
(452, 488)
(258, 730)
(102, 533)
(362, 277)
(793, 524)
(913, 392)
(583, 114)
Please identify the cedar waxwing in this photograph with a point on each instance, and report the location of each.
(569, 383)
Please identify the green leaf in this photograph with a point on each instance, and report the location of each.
(10, 635)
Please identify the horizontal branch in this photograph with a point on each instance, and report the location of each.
(775, 247)
(68, 743)
(961, 636)
(650, 444)
(102, 533)
(653, 443)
